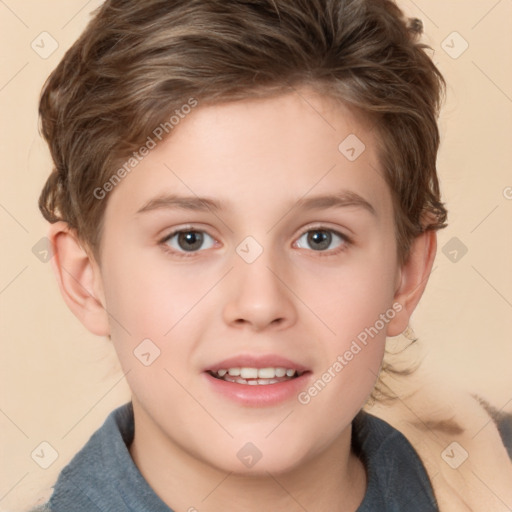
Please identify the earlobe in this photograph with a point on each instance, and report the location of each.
(413, 278)
(79, 279)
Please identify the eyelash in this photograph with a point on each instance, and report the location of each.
(347, 241)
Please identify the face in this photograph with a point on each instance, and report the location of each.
(253, 239)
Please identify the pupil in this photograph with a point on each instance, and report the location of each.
(190, 240)
(322, 239)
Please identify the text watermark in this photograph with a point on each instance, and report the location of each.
(361, 341)
(157, 135)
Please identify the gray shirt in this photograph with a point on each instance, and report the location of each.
(102, 477)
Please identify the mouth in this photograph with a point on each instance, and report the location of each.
(252, 376)
(257, 380)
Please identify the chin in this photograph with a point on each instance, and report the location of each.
(257, 460)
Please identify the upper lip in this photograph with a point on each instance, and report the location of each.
(256, 361)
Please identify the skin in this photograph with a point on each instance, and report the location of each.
(257, 157)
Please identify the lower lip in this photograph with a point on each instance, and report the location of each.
(259, 395)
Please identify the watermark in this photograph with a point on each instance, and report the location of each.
(352, 147)
(42, 250)
(454, 455)
(249, 249)
(454, 250)
(454, 45)
(44, 45)
(357, 345)
(156, 136)
(249, 454)
(44, 455)
(146, 352)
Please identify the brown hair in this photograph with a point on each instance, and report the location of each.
(137, 62)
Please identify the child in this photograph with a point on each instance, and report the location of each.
(245, 201)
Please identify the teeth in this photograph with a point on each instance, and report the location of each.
(254, 382)
(249, 373)
(253, 376)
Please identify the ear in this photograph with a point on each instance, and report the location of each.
(79, 279)
(412, 278)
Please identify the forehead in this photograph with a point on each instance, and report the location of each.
(258, 154)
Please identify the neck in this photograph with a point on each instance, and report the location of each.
(186, 483)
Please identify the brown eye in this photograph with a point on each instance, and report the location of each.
(189, 240)
(321, 239)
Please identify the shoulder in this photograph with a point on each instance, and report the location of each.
(396, 476)
(459, 443)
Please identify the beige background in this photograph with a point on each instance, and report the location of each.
(59, 382)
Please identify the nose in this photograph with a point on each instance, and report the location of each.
(259, 297)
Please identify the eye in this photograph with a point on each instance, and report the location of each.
(189, 240)
(322, 240)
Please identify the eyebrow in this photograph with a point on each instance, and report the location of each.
(171, 201)
(342, 199)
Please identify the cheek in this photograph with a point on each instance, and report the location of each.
(352, 353)
(354, 303)
(351, 296)
(149, 298)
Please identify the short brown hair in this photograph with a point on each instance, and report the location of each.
(137, 62)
